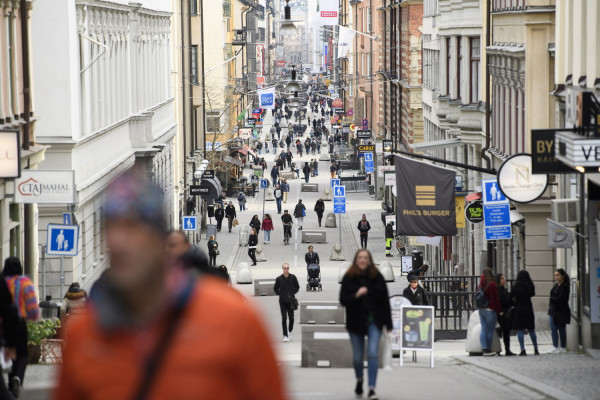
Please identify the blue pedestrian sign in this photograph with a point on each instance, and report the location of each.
(339, 208)
(369, 157)
(497, 232)
(339, 200)
(62, 240)
(67, 219)
(190, 223)
(492, 193)
(496, 215)
(334, 183)
(339, 191)
(264, 183)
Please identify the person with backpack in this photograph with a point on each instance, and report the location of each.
(332, 169)
(299, 213)
(523, 317)
(22, 290)
(241, 197)
(489, 312)
(364, 227)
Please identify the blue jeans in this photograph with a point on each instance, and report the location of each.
(358, 352)
(521, 337)
(558, 329)
(278, 200)
(267, 236)
(488, 324)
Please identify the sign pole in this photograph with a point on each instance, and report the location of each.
(264, 199)
(62, 277)
(340, 225)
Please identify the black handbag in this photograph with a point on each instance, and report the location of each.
(294, 303)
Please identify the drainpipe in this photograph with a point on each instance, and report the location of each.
(27, 208)
(183, 91)
(203, 80)
(488, 35)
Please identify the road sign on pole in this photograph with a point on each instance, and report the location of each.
(264, 183)
(339, 208)
(190, 223)
(62, 240)
(339, 191)
(67, 219)
(334, 182)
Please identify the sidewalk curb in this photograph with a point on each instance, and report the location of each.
(539, 387)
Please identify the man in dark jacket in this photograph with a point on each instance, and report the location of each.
(320, 209)
(312, 257)
(230, 215)
(286, 286)
(389, 238)
(364, 227)
(275, 174)
(415, 293)
(219, 215)
(299, 212)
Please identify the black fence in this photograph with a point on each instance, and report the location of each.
(454, 300)
(355, 183)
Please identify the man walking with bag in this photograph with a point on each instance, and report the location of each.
(286, 286)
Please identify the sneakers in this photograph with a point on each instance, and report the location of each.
(15, 389)
(290, 335)
(372, 395)
(562, 350)
(286, 339)
(488, 353)
(554, 350)
(358, 390)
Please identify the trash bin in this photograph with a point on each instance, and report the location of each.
(417, 259)
(210, 209)
(371, 190)
(50, 308)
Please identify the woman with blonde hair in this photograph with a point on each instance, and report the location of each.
(213, 251)
(364, 293)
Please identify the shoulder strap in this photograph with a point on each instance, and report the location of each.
(153, 363)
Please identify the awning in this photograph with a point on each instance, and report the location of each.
(248, 150)
(435, 144)
(473, 197)
(215, 187)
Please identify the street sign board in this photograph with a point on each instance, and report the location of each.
(492, 193)
(363, 134)
(62, 240)
(190, 223)
(208, 174)
(369, 167)
(496, 215)
(339, 208)
(67, 218)
(369, 157)
(199, 190)
(366, 147)
(45, 187)
(339, 200)
(339, 191)
(334, 182)
(497, 232)
(264, 183)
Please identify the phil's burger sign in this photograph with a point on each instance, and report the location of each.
(45, 187)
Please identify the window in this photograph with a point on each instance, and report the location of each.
(436, 69)
(194, 65)
(475, 68)
(193, 7)
(448, 59)
(369, 18)
(458, 65)
(213, 123)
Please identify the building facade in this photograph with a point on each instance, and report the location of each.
(106, 109)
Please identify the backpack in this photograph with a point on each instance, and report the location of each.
(240, 196)
(481, 302)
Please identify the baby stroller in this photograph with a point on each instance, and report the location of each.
(314, 277)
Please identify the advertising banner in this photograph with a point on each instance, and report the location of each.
(266, 98)
(345, 41)
(425, 198)
(45, 187)
(328, 12)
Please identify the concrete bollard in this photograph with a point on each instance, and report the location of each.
(260, 253)
(336, 253)
(387, 271)
(326, 194)
(269, 196)
(343, 268)
(243, 275)
(330, 221)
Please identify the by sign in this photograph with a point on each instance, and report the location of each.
(542, 152)
(517, 181)
(62, 240)
(45, 187)
(10, 156)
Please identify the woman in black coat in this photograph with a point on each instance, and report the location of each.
(504, 318)
(252, 242)
(306, 171)
(523, 318)
(255, 223)
(364, 294)
(559, 311)
(320, 209)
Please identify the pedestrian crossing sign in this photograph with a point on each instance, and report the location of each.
(190, 223)
(62, 240)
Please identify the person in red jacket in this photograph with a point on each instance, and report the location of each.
(267, 227)
(489, 315)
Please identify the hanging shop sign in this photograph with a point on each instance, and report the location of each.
(10, 156)
(518, 182)
(542, 153)
(45, 187)
(474, 212)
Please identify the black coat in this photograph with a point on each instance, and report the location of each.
(389, 231)
(286, 288)
(523, 316)
(504, 298)
(320, 207)
(364, 230)
(255, 223)
(230, 211)
(312, 258)
(298, 210)
(375, 302)
(559, 304)
(252, 240)
(419, 298)
(219, 214)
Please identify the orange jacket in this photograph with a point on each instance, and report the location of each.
(220, 351)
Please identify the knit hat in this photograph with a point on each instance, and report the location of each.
(135, 199)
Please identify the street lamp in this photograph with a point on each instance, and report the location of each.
(287, 27)
(293, 85)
